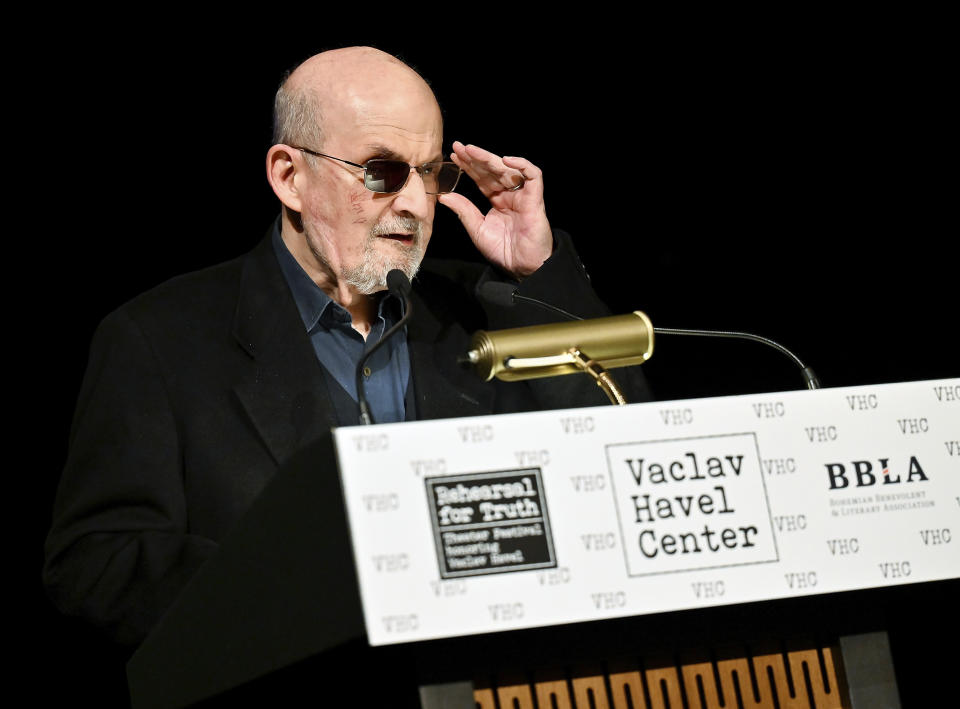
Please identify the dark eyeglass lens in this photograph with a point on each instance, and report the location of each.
(447, 176)
(386, 175)
(437, 177)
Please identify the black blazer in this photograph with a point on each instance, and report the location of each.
(198, 390)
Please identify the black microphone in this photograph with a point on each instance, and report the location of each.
(506, 295)
(399, 285)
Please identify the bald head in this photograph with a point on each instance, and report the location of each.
(343, 85)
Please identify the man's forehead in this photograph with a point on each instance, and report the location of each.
(405, 128)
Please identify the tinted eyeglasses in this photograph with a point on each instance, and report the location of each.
(387, 176)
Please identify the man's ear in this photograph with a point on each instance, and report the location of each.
(283, 164)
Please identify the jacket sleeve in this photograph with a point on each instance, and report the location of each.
(119, 550)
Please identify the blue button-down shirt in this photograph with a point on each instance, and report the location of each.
(339, 347)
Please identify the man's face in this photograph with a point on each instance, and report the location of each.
(357, 235)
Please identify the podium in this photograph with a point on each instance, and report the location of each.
(280, 611)
(259, 614)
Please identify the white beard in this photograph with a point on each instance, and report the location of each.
(370, 275)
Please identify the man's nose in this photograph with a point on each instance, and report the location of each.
(413, 198)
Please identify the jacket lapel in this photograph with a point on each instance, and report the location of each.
(284, 394)
(444, 389)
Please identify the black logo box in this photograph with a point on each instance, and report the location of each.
(490, 522)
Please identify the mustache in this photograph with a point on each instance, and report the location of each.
(398, 225)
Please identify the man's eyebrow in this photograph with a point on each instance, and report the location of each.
(376, 151)
(381, 152)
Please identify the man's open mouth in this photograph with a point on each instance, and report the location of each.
(406, 239)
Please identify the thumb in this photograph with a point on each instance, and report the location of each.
(466, 211)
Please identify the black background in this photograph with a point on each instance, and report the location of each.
(790, 182)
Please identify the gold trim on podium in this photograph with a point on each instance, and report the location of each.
(798, 679)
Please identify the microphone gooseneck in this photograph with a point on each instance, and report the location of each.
(505, 294)
(398, 285)
(807, 372)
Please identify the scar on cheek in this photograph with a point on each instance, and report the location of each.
(360, 221)
(356, 199)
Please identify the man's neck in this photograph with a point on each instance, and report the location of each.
(363, 311)
(362, 307)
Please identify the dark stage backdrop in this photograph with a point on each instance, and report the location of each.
(793, 189)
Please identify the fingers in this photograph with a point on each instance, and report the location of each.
(492, 173)
(528, 171)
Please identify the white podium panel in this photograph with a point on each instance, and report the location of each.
(485, 524)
